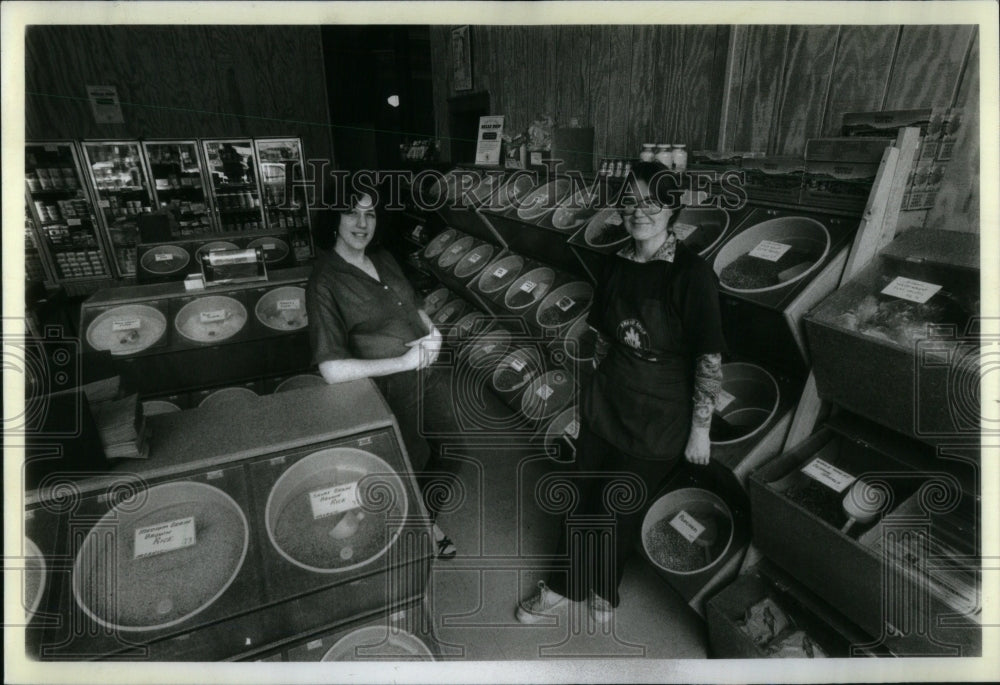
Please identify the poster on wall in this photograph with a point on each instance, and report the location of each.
(461, 59)
(489, 141)
(105, 104)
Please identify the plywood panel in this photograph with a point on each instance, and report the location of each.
(599, 63)
(666, 91)
(619, 90)
(713, 122)
(700, 85)
(733, 90)
(645, 69)
(441, 84)
(801, 103)
(762, 66)
(927, 67)
(572, 82)
(860, 73)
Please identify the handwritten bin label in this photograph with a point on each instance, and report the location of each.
(528, 286)
(723, 400)
(769, 250)
(517, 365)
(163, 257)
(545, 392)
(828, 474)
(911, 289)
(500, 272)
(289, 304)
(126, 324)
(687, 525)
(475, 257)
(164, 537)
(212, 316)
(334, 500)
(565, 303)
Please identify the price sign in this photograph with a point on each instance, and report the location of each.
(682, 231)
(565, 303)
(545, 392)
(687, 525)
(770, 250)
(911, 289)
(212, 316)
(828, 474)
(126, 324)
(528, 286)
(723, 400)
(164, 537)
(334, 500)
(490, 140)
(475, 257)
(163, 257)
(500, 272)
(518, 365)
(289, 304)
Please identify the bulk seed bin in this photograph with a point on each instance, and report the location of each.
(857, 514)
(515, 372)
(446, 318)
(774, 267)
(496, 277)
(696, 530)
(464, 191)
(199, 562)
(282, 308)
(454, 270)
(899, 343)
(436, 299)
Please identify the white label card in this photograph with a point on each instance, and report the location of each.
(473, 258)
(528, 286)
(572, 429)
(682, 231)
(517, 365)
(500, 272)
(615, 219)
(163, 257)
(910, 289)
(269, 246)
(334, 500)
(455, 249)
(687, 525)
(545, 392)
(126, 324)
(289, 304)
(828, 474)
(770, 250)
(565, 303)
(417, 231)
(164, 537)
(723, 400)
(212, 316)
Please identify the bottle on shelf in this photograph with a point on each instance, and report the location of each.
(648, 153)
(664, 155)
(680, 157)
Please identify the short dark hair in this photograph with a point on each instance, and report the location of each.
(664, 186)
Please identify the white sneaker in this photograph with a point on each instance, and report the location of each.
(543, 604)
(601, 610)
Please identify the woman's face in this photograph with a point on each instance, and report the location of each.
(646, 218)
(357, 227)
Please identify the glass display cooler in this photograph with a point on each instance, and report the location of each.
(118, 178)
(179, 183)
(235, 193)
(275, 157)
(68, 240)
(36, 270)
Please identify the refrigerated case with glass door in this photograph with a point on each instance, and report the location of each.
(235, 193)
(179, 183)
(276, 157)
(63, 214)
(118, 178)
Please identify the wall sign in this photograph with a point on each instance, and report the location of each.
(489, 141)
(105, 104)
(461, 59)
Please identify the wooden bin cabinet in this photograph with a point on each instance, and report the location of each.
(870, 591)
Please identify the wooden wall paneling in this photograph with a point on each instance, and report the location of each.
(493, 47)
(860, 73)
(732, 94)
(601, 70)
(572, 78)
(802, 101)
(440, 79)
(927, 66)
(619, 91)
(481, 51)
(543, 77)
(700, 85)
(666, 92)
(714, 104)
(957, 204)
(762, 69)
(645, 67)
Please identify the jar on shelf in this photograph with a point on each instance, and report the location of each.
(680, 157)
(648, 153)
(664, 155)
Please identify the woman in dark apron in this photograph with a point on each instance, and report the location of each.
(649, 403)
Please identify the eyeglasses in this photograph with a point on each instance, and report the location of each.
(649, 207)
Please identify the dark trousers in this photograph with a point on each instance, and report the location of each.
(613, 490)
(425, 412)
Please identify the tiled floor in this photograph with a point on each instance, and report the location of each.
(503, 534)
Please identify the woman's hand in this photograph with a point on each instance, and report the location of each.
(423, 351)
(699, 446)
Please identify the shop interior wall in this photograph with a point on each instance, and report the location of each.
(179, 82)
(762, 88)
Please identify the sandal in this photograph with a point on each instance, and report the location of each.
(446, 548)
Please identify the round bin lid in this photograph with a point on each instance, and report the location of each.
(379, 643)
(283, 309)
(275, 249)
(451, 311)
(160, 557)
(127, 329)
(564, 304)
(474, 261)
(211, 319)
(305, 380)
(455, 251)
(441, 241)
(748, 400)
(529, 288)
(227, 396)
(467, 323)
(331, 511)
(538, 202)
(500, 274)
(580, 340)
(212, 247)
(35, 574)
(513, 191)
(772, 254)
(154, 407)
(701, 228)
(165, 259)
(435, 300)
(517, 369)
(489, 347)
(687, 531)
(605, 229)
(566, 423)
(547, 395)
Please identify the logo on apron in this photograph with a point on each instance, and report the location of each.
(632, 333)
